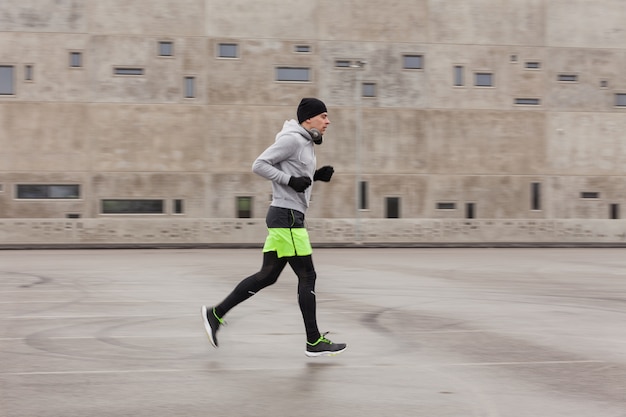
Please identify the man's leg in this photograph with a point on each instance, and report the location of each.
(212, 317)
(305, 271)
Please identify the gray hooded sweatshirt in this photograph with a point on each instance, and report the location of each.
(291, 155)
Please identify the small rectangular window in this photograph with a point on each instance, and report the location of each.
(369, 89)
(47, 191)
(392, 207)
(228, 50)
(76, 59)
(532, 65)
(132, 206)
(620, 100)
(459, 75)
(535, 196)
(483, 79)
(128, 71)
(302, 48)
(363, 196)
(523, 101)
(446, 206)
(6, 80)
(589, 194)
(413, 62)
(190, 87)
(513, 59)
(614, 211)
(166, 48)
(244, 207)
(293, 74)
(470, 210)
(29, 72)
(178, 207)
(604, 84)
(567, 78)
(72, 216)
(342, 63)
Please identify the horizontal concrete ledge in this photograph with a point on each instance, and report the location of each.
(352, 245)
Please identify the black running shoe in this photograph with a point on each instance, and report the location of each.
(211, 323)
(324, 347)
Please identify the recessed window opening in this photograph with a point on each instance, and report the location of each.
(293, 74)
(604, 84)
(72, 216)
(369, 89)
(535, 196)
(6, 80)
(132, 206)
(363, 196)
(342, 63)
(29, 72)
(166, 48)
(244, 207)
(413, 61)
(76, 59)
(190, 87)
(128, 71)
(178, 206)
(568, 78)
(459, 76)
(483, 79)
(446, 205)
(525, 101)
(614, 211)
(532, 65)
(392, 207)
(513, 59)
(47, 191)
(228, 50)
(589, 194)
(302, 48)
(470, 210)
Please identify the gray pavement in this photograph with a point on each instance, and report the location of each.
(430, 332)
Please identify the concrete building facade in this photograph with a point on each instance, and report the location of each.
(146, 115)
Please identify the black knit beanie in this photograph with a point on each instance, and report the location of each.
(310, 107)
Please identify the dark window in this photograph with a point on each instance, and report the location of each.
(570, 78)
(614, 211)
(527, 101)
(589, 194)
(293, 74)
(470, 210)
(178, 206)
(190, 87)
(76, 59)
(392, 207)
(446, 206)
(302, 48)
(484, 79)
(533, 65)
(72, 216)
(535, 196)
(413, 61)
(620, 99)
(369, 89)
(48, 191)
(132, 206)
(6, 80)
(128, 71)
(363, 197)
(228, 50)
(459, 73)
(29, 72)
(166, 48)
(244, 207)
(342, 63)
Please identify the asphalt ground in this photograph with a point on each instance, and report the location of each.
(511, 332)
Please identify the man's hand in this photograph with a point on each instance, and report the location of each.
(300, 183)
(324, 173)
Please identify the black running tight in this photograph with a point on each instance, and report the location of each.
(270, 271)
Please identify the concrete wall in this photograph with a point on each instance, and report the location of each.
(421, 139)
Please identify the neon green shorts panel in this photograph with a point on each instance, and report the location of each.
(288, 242)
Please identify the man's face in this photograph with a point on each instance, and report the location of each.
(320, 122)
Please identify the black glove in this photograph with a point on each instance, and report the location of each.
(324, 173)
(300, 183)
